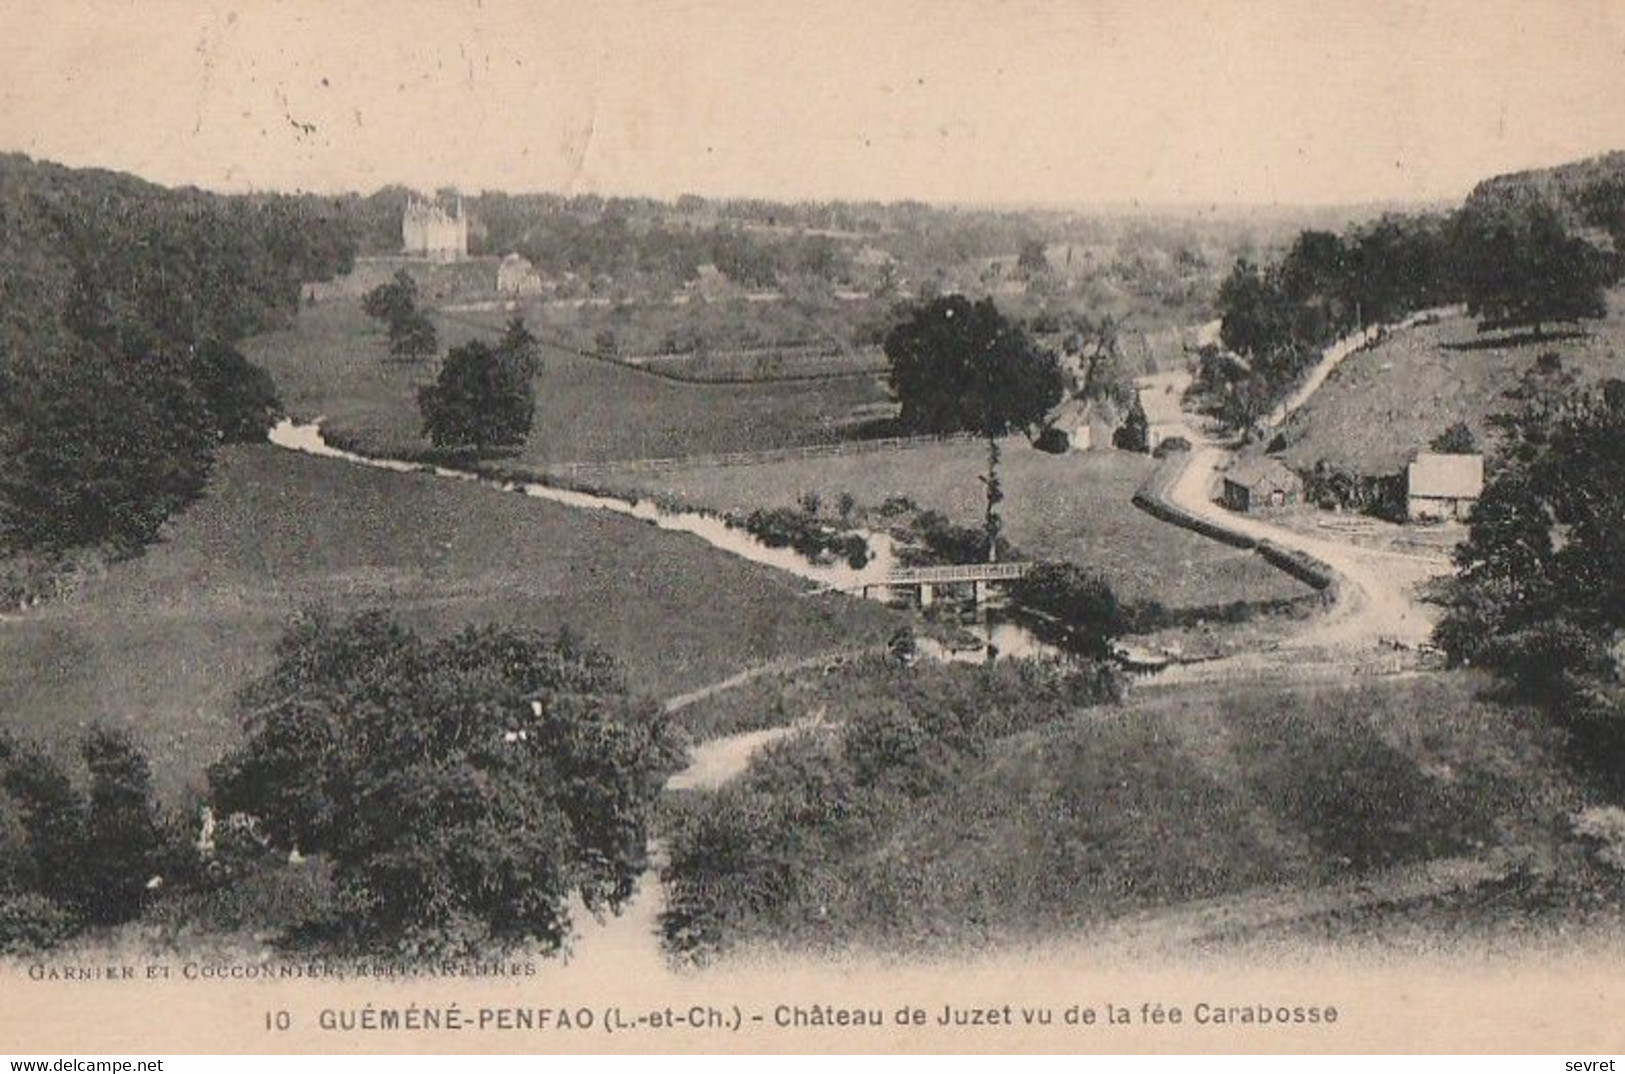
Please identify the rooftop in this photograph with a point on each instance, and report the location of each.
(1263, 470)
(1450, 476)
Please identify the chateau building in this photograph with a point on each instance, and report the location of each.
(429, 231)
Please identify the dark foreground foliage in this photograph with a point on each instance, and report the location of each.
(75, 854)
(463, 790)
(889, 826)
(1540, 594)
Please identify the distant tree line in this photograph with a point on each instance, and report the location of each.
(120, 307)
(1277, 317)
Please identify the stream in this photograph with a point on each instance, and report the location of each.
(994, 632)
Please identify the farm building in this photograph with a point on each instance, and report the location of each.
(1440, 487)
(1160, 397)
(1088, 423)
(1261, 485)
(517, 276)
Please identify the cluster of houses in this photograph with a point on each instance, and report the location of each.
(1438, 487)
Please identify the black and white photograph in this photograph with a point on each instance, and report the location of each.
(800, 527)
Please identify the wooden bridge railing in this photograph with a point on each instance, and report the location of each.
(959, 572)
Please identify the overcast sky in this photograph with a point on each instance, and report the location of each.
(1078, 102)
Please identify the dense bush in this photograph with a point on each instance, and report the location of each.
(797, 528)
(1458, 439)
(464, 790)
(1053, 441)
(1135, 432)
(1382, 496)
(1169, 445)
(1147, 617)
(392, 301)
(30, 922)
(943, 542)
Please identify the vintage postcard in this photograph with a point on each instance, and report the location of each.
(887, 526)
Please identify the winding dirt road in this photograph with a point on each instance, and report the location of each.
(1376, 605)
(1377, 613)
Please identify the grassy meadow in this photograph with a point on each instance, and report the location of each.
(334, 362)
(1383, 404)
(1072, 507)
(160, 643)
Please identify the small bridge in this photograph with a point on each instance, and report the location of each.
(980, 576)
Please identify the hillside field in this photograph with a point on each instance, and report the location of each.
(334, 362)
(1268, 813)
(1073, 507)
(1383, 404)
(160, 643)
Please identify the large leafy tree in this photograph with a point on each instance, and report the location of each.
(484, 399)
(124, 839)
(1078, 601)
(520, 348)
(958, 365)
(97, 447)
(413, 337)
(464, 789)
(1521, 268)
(393, 300)
(1397, 264)
(1313, 279)
(1255, 316)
